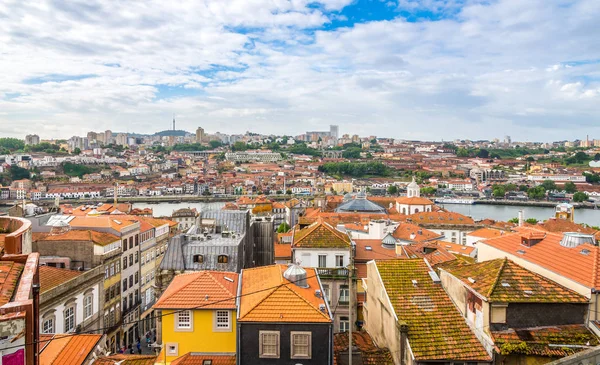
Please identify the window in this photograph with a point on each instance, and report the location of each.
(137, 277)
(131, 260)
(222, 259)
(48, 325)
(124, 262)
(300, 345)
(130, 281)
(137, 239)
(344, 294)
(322, 261)
(117, 266)
(143, 259)
(69, 315)
(112, 269)
(106, 274)
(184, 320)
(198, 259)
(88, 306)
(124, 285)
(207, 362)
(339, 260)
(327, 293)
(130, 243)
(136, 258)
(344, 324)
(222, 321)
(172, 349)
(268, 344)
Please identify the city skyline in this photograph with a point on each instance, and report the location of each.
(409, 70)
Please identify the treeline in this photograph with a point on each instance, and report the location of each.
(355, 169)
(72, 169)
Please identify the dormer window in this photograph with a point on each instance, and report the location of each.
(223, 259)
(198, 259)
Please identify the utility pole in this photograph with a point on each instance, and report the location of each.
(350, 302)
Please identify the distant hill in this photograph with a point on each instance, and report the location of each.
(177, 133)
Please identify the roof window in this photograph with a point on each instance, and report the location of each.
(505, 284)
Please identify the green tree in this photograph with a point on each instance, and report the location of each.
(580, 196)
(428, 191)
(353, 152)
(239, 146)
(12, 144)
(392, 190)
(570, 187)
(523, 188)
(288, 191)
(531, 220)
(462, 152)
(514, 220)
(536, 193)
(283, 228)
(498, 192)
(483, 153)
(215, 144)
(548, 185)
(18, 173)
(592, 178)
(77, 151)
(597, 157)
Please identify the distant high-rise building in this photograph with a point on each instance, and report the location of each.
(173, 122)
(507, 139)
(333, 131)
(108, 136)
(122, 139)
(199, 135)
(32, 139)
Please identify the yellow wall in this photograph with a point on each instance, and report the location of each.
(201, 338)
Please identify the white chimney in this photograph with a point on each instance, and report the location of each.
(521, 217)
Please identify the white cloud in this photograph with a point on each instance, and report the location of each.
(486, 71)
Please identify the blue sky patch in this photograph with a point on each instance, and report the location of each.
(56, 78)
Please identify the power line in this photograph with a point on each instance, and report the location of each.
(159, 316)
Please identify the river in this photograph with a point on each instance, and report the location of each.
(476, 211)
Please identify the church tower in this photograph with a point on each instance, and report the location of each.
(413, 190)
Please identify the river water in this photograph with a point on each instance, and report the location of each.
(476, 211)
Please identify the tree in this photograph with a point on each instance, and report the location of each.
(18, 173)
(483, 153)
(392, 190)
(239, 146)
(514, 220)
(498, 192)
(592, 178)
(12, 144)
(531, 220)
(283, 228)
(77, 151)
(523, 188)
(548, 185)
(353, 152)
(536, 193)
(597, 157)
(428, 190)
(580, 196)
(570, 187)
(288, 192)
(462, 152)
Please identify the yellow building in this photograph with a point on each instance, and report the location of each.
(198, 314)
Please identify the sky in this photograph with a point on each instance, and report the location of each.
(407, 69)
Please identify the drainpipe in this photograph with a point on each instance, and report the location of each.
(403, 338)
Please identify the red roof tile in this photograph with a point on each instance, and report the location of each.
(51, 277)
(199, 358)
(68, 349)
(202, 290)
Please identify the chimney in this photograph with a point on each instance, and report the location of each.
(521, 217)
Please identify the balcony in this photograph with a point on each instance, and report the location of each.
(129, 308)
(114, 327)
(333, 273)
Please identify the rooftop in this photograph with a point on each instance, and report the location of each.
(67, 349)
(267, 296)
(10, 273)
(122, 359)
(502, 280)
(370, 354)
(196, 358)
(436, 329)
(51, 277)
(201, 290)
(100, 238)
(579, 264)
(440, 218)
(320, 235)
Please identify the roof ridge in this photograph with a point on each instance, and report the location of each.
(595, 267)
(218, 282)
(199, 273)
(287, 286)
(493, 287)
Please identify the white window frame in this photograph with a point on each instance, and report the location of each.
(319, 260)
(48, 325)
(218, 324)
(172, 349)
(344, 324)
(190, 320)
(69, 323)
(327, 293)
(261, 350)
(88, 306)
(294, 335)
(344, 289)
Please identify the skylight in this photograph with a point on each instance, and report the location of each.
(521, 252)
(368, 248)
(505, 284)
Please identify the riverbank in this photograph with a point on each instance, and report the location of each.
(529, 203)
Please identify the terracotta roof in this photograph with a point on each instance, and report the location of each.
(434, 254)
(405, 231)
(283, 251)
(414, 201)
(202, 290)
(455, 248)
(100, 238)
(10, 273)
(192, 358)
(370, 353)
(67, 349)
(569, 262)
(440, 218)
(486, 233)
(563, 225)
(320, 235)
(51, 277)
(537, 341)
(375, 252)
(126, 360)
(266, 296)
(436, 329)
(502, 280)
(115, 222)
